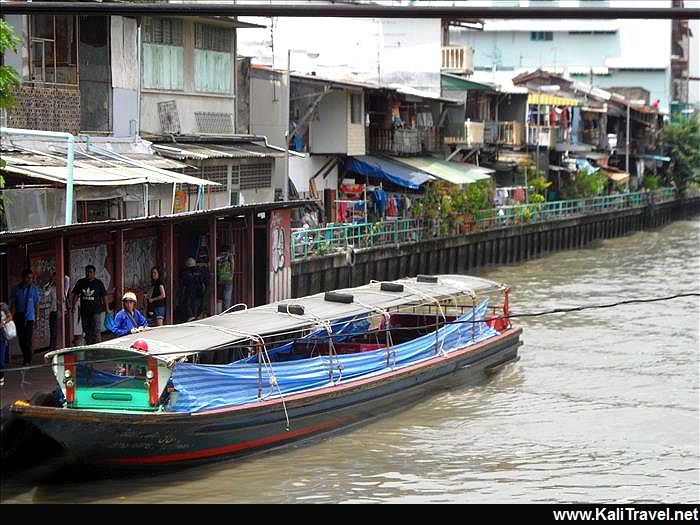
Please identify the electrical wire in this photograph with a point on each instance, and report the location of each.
(514, 315)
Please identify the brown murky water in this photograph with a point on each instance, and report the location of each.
(602, 407)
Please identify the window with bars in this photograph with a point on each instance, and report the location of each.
(254, 176)
(166, 31)
(212, 173)
(212, 58)
(163, 54)
(213, 38)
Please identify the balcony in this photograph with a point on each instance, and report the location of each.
(543, 136)
(457, 59)
(508, 133)
(471, 134)
(405, 141)
(46, 108)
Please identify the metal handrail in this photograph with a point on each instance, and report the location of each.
(337, 238)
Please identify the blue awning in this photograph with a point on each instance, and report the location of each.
(387, 170)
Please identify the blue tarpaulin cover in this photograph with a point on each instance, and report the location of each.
(208, 387)
(387, 170)
(585, 165)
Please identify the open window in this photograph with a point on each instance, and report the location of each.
(53, 49)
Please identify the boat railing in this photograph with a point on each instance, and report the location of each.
(336, 238)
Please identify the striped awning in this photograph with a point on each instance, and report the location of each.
(545, 99)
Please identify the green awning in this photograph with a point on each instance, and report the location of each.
(453, 172)
(453, 82)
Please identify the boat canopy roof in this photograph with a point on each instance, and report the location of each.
(173, 342)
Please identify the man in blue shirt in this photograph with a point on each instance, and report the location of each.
(24, 305)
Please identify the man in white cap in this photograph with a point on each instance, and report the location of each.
(129, 320)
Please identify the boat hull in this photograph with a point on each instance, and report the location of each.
(136, 440)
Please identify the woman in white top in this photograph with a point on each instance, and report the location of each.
(5, 317)
(52, 300)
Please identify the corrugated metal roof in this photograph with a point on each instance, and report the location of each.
(204, 151)
(97, 169)
(227, 211)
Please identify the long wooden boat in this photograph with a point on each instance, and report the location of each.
(262, 377)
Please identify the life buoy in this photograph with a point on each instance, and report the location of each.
(350, 256)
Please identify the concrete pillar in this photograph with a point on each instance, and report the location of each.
(251, 232)
(169, 269)
(118, 265)
(213, 254)
(60, 293)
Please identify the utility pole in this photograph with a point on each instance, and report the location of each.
(627, 140)
(285, 189)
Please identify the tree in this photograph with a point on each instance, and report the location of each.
(585, 185)
(9, 80)
(681, 142)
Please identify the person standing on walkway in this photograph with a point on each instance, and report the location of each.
(93, 301)
(5, 317)
(24, 305)
(52, 299)
(224, 274)
(192, 289)
(156, 302)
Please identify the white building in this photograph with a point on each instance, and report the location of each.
(380, 51)
(605, 53)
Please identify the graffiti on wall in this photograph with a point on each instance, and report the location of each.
(280, 269)
(277, 249)
(95, 255)
(139, 258)
(43, 267)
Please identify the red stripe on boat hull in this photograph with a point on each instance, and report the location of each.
(228, 449)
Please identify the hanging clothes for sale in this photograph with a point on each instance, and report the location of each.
(500, 197)
(392, 210)
(342, 211)
(395, 107)
(380, 199)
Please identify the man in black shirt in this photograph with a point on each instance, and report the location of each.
(93, 301)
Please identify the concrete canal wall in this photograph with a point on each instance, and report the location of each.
(465, 253)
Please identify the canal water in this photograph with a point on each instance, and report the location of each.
(601, 407)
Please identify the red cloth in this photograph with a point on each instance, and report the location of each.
(392, 210)
(519, 195)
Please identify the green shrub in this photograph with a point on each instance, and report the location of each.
(651, 181)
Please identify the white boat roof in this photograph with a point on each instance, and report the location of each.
(172, 342)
